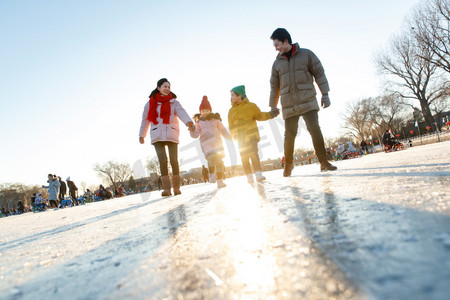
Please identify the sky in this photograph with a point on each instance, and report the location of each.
(75, 75)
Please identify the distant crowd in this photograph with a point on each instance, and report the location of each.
(62, 194)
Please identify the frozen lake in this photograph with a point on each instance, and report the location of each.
(377, 228)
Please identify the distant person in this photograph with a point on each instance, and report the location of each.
(20, 207)
(283, 161)
(161, 114)
(363, 146)
(340, 151)
(242, 118)
(350, 147)
(329, 153)
(209, 127)
(33, 202)
(62, 189)
(40, 202)
(72, 190)
(205, 173)
(53, 190)
(119, 192)
(387, 140)
(88, 195)
(104, 193)
(293, 74)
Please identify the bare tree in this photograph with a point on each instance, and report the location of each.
(412, 76)
(387, 111)
(357, 118)
(441, 103)
(152, 165)
(372, 116)
(11, 193)
(430, 24)
(113, 172)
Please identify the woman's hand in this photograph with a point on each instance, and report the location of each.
(141, 140)
(191, 126)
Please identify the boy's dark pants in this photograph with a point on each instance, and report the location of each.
(249, 151)
(311, 119)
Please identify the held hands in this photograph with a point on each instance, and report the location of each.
(191, 126)
(274, 111)
(325, 102)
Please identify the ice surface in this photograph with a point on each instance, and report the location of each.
(377, 228)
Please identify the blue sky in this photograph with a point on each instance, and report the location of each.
(75, 75)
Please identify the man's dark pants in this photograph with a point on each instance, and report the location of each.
(311, 119)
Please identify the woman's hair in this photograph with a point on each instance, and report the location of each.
(159, 84)
(281, 34)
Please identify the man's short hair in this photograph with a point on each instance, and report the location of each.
(281, 34)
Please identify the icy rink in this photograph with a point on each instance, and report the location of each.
(377, 228)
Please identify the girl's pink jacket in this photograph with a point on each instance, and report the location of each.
(210, 132)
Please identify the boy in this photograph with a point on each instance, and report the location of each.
(242, 119)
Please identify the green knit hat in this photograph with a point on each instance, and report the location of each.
(240, 90)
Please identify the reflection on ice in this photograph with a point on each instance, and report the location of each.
(250, 255)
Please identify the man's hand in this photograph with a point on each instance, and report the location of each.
(141, 140)
(274, 111)
(191, 126)
(325, 101)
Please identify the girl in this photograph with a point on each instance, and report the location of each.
(210, 129)
(161, 114)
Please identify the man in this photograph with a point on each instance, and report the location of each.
(72, 190)
(293, 74)
(62, 189)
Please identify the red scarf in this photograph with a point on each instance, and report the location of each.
(164, 111)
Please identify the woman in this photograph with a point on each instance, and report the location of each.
(53, 190)
(161, 114)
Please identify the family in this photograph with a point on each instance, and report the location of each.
(292, 82)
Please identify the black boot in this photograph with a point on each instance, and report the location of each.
(327, 167)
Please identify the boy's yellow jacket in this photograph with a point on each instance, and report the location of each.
(242, 119)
